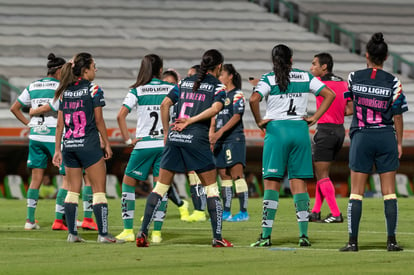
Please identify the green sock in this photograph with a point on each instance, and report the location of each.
(160, 214)
(128, 205)
(32, 198)
(87, 197)
(302, 212)
(60, 206)
(270, 203)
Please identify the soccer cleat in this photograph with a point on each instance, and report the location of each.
(262, 242)
(127, 235)
(156, 237)
(333, 219)
(89, 224)
(315, 217)
(239, 217)
(226, 215)
(31, 226)
(108, 239)
(221, 243)
(393, 246)
(197, 216)
(58, 225)
(304, 241)
(75, 238)
(141, 240)
(349, 247)
(184, 214)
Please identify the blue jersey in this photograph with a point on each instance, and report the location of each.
(77, 104)
(234, 104)
(191, 103)
(377, 97)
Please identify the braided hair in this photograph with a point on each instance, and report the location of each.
(210, 60)
(282, 65)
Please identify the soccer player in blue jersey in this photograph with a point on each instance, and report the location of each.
(287, 146)
(229, 144)
(376, 137)
(80, 114)
(187, 147)
(42, 130)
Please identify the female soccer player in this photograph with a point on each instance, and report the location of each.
(80, 113)
(146, 94)
(378, 105)
(187, 147)
(287, 146)
(42, 130)
(229, 143)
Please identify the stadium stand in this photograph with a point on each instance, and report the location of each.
(119, 33)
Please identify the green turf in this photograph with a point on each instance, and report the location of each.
(186, 247)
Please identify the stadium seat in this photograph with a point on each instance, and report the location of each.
(14, 187)
(403, 186)
(113, 189)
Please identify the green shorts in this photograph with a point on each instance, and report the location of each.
(141, 161)
(287, 147)
(39, 153)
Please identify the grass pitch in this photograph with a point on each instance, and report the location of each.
(186, 247)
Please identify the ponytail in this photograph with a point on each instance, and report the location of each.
(72, 70)
(237, 82)
(54, 63)
(211, 59)
(151, 66)
(282, 65)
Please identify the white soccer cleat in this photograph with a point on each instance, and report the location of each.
(31, 226)
(75, 239)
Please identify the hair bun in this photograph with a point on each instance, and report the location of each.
(51, 57)
(377, 38)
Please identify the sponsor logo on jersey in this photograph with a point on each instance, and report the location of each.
(178, 137)
(372, 90)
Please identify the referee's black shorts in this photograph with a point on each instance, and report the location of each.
(327, 141)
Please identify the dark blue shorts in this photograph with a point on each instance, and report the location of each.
(81, 158)
(183, 158)
(371, 147)
(327, 141)
(227, 155)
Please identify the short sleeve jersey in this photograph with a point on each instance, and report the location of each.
(336, 112)
(147, 98)
(191, 103)
(292, 103)
(233, 104)
(377, 96)
(77, 104)
(38, 93)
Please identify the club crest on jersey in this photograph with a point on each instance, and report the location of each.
(227, 101)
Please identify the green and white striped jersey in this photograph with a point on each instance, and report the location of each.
(38, 93)
(147, 98)
(292, 103)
